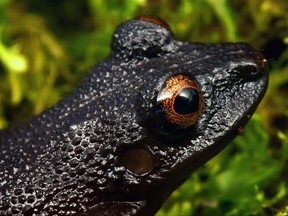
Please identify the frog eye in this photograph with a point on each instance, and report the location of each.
(179, 105)
(154, 20)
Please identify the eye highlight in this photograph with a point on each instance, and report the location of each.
(179, 105)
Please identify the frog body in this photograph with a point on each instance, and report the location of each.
(115, 145)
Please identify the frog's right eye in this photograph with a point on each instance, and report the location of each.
(154, 20)
(179, 106)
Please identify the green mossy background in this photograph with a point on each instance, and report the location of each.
(47, 46)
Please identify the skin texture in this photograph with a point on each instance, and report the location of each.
(99, 150)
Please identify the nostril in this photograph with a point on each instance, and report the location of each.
(254, 70)
(247, 71)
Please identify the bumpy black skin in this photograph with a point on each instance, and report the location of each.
(67, 160)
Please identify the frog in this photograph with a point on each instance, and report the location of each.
(138, 125)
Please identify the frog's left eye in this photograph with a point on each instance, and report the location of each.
(156, 21)
(179, 105)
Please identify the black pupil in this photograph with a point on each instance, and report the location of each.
(187, 101)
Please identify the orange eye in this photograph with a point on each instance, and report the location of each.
(156, 21)
(179, 105)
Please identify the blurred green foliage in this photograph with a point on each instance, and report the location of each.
(46, 47)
